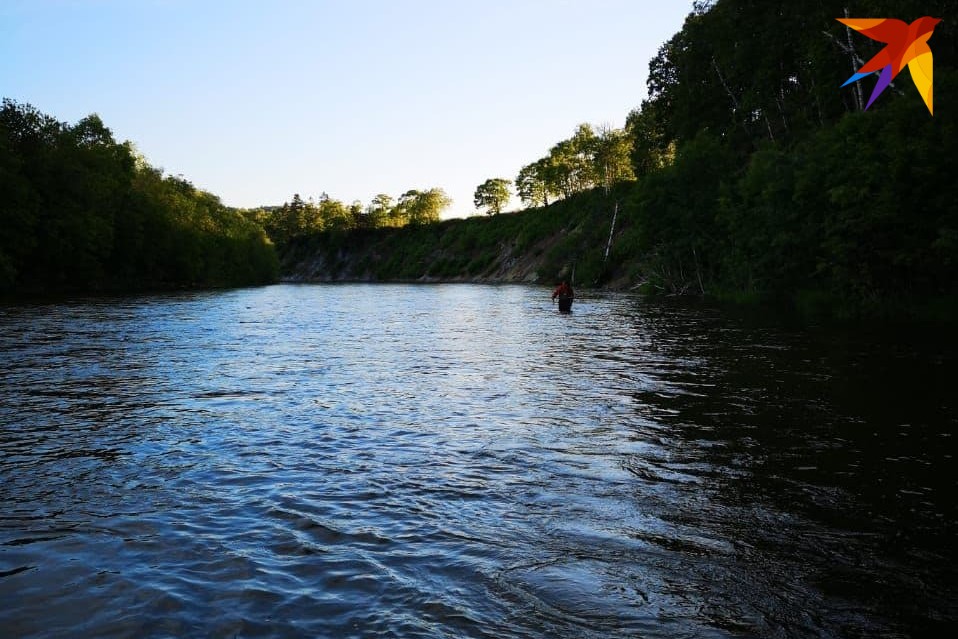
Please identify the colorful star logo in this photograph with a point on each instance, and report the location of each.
(907, 45)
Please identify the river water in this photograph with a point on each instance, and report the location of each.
(464, 461)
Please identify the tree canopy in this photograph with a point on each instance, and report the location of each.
(760, 176)
(493, 194)
(584, 161)
(81, 211)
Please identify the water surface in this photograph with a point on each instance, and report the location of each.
(463, 461)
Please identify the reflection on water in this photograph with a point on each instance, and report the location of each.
(455, 460)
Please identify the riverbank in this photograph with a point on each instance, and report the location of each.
(535, 246)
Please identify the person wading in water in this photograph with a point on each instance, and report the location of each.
(564, 293)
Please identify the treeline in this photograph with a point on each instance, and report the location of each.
(299, 218)
(760, 177)
(80, 211)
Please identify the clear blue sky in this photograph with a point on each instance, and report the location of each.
(255, 101)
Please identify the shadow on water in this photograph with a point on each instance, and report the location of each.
(456, 460)
(831, 453)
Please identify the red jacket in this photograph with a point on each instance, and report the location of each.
(562, 290)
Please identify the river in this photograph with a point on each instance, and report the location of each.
(464, 461)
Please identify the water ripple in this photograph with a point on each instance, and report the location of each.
(452, 461)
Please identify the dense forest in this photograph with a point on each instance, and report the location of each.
(80, 211)
(748, 173)
(760, 177)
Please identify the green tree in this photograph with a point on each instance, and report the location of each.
(379, 210)
(611, 157)
(650, 147)
(82, 211)
(334, 215)
(492, 194)
(676, 209)
(570, 167)
(534, 183)
(422, 207)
